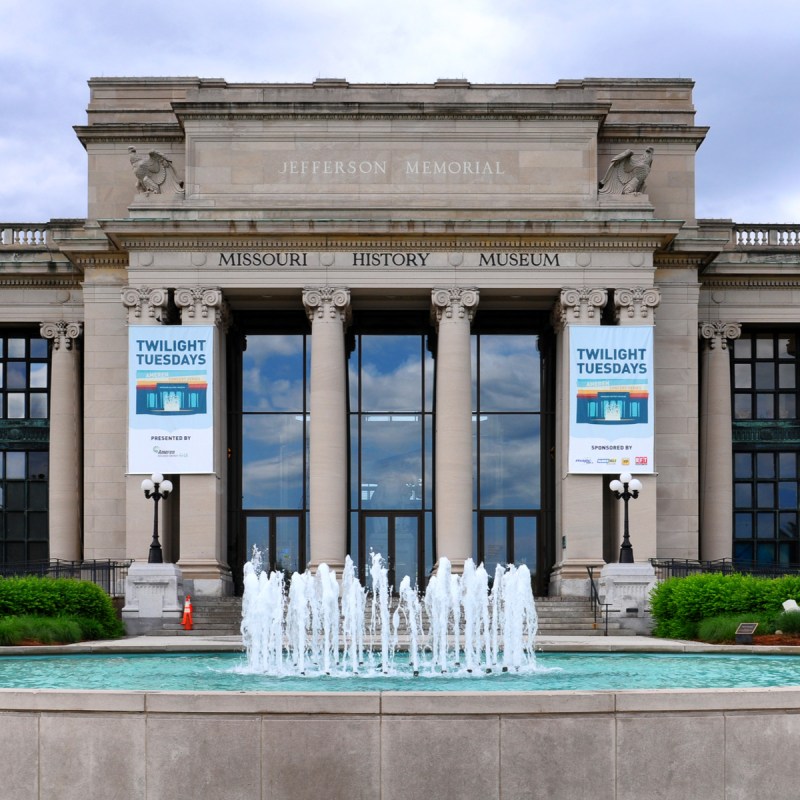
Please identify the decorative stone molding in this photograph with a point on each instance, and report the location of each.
(456, 301)
(139, 299)
(579, 304)
(61, 332)
(204, 303)
(717, 333)
(636, 302)
(327, 301)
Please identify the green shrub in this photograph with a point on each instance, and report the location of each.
(788, 622)
(721, 629)
(61, 597)
(679, 605)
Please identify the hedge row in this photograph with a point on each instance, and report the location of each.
(679, 604)
(59, 597)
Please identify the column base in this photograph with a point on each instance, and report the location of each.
(332, 564)
(569, 578)
(204, 576)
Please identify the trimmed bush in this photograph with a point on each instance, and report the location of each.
(83, 601)
(679, 604)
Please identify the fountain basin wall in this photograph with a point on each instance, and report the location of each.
(385, 746)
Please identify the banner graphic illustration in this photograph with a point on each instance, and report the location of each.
(611, 425)
(170, 399)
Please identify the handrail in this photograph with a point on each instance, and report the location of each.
(596, 604)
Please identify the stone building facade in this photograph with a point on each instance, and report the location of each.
(390, 277)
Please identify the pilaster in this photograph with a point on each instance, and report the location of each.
(64, 488)
(579, 498)
(203, 520)
(716, 456)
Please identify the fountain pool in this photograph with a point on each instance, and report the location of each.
(552, 672)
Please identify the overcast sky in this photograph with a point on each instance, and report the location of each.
(743, 56)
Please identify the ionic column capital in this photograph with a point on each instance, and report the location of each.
(454, 303)
(327, 302)
(635, 303)
(580, 304)
(717, 333)
(202, 304)
(62, 333)
(141, 300)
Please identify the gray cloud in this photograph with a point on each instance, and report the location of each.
(743, 59)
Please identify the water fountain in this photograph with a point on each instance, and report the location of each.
(319, 626)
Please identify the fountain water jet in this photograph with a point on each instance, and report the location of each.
(319, 626)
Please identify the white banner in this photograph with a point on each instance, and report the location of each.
(611, 425)
(170, 399)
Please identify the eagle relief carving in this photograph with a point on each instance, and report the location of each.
(627, 173)
(151, 172)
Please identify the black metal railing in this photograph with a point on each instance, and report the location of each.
(597, 606)
(681, 567)
(108, 575)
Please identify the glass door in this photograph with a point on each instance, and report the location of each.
(509, 538)
(397, 536)
(279, 538)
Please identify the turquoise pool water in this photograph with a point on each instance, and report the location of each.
(554, 672)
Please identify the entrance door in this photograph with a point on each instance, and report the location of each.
(509, 538)
(397, 536)
(279, 537)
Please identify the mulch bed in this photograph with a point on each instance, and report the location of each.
(778, 639)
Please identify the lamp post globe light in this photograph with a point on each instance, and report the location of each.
(626, 488)
(157, 488)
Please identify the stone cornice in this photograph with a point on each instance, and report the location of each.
(127, 132)
(55, 282)
(750, 283)
(653, 132)
(100, 260)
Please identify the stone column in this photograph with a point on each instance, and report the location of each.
(64, 486)
(203, 498)
(454, 310)
(716, 454)
(146, 306)
(636, 306)
(579, 498)
(328, 310)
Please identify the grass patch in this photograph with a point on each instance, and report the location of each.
(42, 630)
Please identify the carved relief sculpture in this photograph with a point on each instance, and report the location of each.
(627, 173)
(151, 172)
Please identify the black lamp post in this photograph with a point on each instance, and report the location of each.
(156, 487)
(626, 488)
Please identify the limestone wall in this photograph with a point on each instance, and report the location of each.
(608, 746)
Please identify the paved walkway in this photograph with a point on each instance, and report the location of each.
(572, 644)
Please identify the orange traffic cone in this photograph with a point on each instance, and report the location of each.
(187, 613)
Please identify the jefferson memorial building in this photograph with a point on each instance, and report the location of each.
(421, 320)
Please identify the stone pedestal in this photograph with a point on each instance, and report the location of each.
(153, 595)
(626, 588)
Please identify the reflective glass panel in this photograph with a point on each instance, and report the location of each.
(376, 539)
(742, 376)
(391, 460)
(787, 494)
(742, 406)
(765, 347)
(525, 542)
(495, 542)
(743, 526)
(787, 347)
(38, 348)
(788, 524)
(38, 379)
(742, 465)
(765, 553)
(16, 375)
(509, 373)
(765, 465)
(272, 373)
(272, 461)
(765, 525)
(15, 405)
(406, 540)
(787, 406)
(743, 347)
(766, 495)
(787, 464)
(391, 373)
(765, 375)
(15, 465)
(258, 536)
(786, 376)
(38, 408)
(509, 461)
(765, 406)
(742, 495)
(287, 541)
(16, 348)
